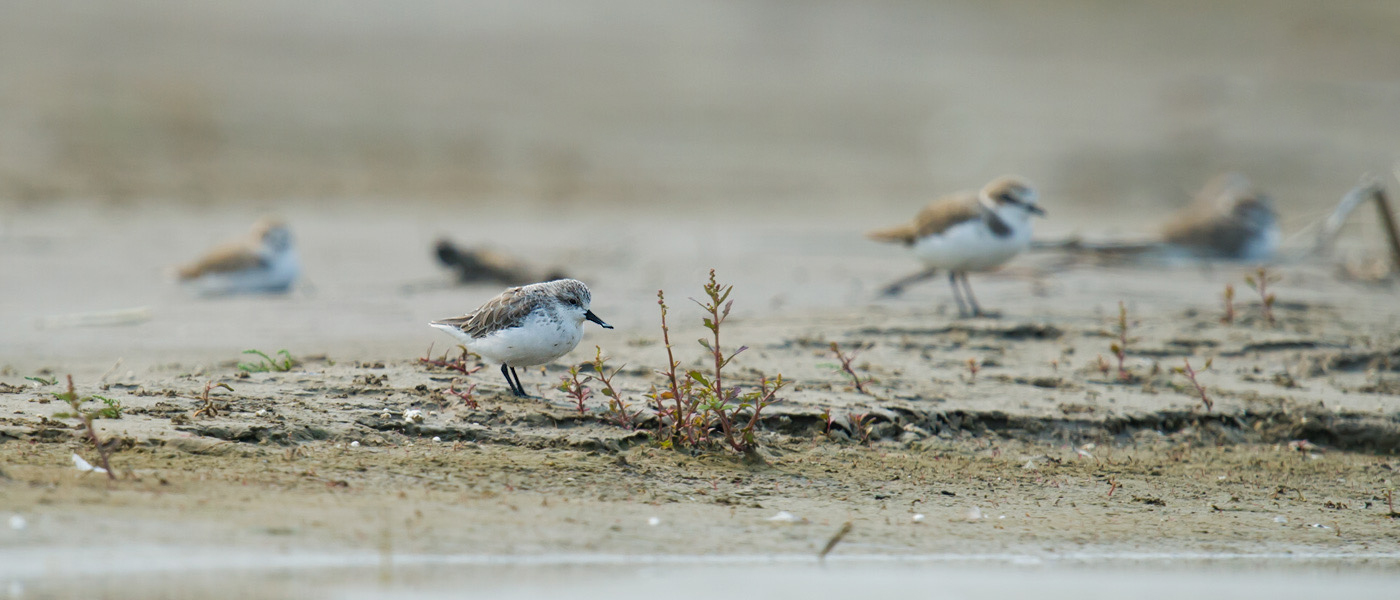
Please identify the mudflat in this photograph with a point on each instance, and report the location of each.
(636, 154)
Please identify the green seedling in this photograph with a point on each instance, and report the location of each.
(110, 409)
(574, 388)
(268, 363)
(42, 381)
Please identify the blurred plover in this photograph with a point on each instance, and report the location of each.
(526, 326)
(263, 262)
(967, 231)
(1230, 219)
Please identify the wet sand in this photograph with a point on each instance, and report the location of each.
(1041, 452)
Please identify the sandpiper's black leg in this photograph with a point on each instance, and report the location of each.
(505, 371)
(519, 387)
(957, 295)
(976, 310)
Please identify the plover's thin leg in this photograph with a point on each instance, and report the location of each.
(957, 295)
(505, 371)
(519, 387)
(976, 310)
(896, 287)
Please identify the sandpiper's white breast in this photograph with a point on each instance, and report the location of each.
(541, 337)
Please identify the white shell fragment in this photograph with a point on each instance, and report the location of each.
(85, 466)
(413, 415)
(784, 517)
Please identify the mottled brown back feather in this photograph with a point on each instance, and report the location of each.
(502, 312)
(510, 308)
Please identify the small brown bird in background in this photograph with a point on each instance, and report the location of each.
(1230, 219)
(263, 262)
(479, 265)
(967, 231)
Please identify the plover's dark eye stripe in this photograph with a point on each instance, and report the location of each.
(1007, 198)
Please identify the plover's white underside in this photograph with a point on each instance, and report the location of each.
(264, 262)
(967, 231)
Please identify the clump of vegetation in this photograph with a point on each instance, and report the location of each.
(694, 405)
(268, 363)
(462, 364)
(1102, 365)
(42, 381)
(1120, 347)
(110, 409)
(1113, 485)
(1260, 283)
(465, 395)
(860, 425)
(575, 388)
(850, 371)
(1191, 376)
(87, 416)
(619, 411)
(465, 363)
(829, 419)
(208, 407)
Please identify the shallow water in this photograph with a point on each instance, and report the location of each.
(209, 572)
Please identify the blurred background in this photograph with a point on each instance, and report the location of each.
(631, 143)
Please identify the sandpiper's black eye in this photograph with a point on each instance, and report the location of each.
(1007, 198)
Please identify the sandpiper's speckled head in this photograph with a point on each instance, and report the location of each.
(1010, 191)
(574, 299)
